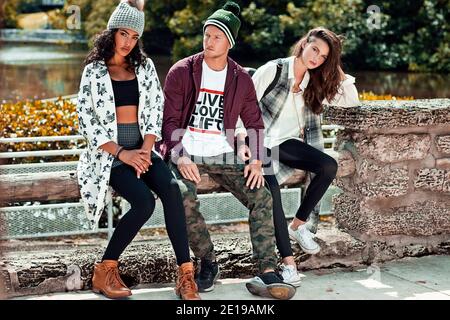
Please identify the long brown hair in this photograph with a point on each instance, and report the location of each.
(325, 79)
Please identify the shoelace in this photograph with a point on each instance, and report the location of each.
(116, 273)
(288, 270)
(113, 276)
(312, 234)
(306, 233)
(187, 281)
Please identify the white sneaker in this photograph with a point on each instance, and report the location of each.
(304, 238)
(290, 275)
(311, 228)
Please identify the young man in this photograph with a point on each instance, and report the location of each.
(205, 94)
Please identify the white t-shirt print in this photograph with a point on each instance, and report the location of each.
(205, 135)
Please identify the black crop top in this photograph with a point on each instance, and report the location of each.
(126, 92)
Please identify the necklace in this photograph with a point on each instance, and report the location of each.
(300, 116)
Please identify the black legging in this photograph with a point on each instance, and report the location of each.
(137, 192)
(299, 155)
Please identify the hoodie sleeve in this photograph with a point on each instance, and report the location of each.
(252, 120)
(347, 95)
(173, 112)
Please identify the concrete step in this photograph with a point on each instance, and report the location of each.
(409, 279)
(151, 261)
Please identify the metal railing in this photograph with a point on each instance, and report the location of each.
(26, 221)
(40, 153)
(76, 151)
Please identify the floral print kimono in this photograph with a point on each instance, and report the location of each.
(98, 124)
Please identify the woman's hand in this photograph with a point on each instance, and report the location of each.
(139, 159)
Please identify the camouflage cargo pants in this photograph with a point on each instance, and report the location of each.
(258, 201)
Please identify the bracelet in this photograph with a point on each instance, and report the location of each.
(118, 151)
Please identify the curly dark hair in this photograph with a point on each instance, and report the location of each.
(103, 50)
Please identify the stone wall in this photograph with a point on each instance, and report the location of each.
(2, 278)
(394, 161)
(394, 165)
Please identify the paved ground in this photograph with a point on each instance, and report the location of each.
(411, 278)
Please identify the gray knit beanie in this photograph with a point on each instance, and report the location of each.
(128, 14)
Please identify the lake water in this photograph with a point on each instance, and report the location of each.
(46, 71)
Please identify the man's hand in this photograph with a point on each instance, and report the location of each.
(255, 174)
(244, 153)
(188, 169)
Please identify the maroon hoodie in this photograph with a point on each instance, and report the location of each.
(181, 91)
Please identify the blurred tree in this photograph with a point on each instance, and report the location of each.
(428, 43)
(159, 37)
(261, 33)
(10, 9)
(343, 17)
(2, 13)
(411, 35)
(405, 43)
(186, 24)
(85, 9)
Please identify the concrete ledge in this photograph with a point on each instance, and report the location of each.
(387, 114)
(144, 262)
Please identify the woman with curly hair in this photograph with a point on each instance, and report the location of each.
(120, 106)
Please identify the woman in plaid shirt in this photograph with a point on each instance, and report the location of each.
(291, 94)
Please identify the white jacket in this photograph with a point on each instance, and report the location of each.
(97, 123)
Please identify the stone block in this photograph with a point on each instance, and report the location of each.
(346, 164)
(393, 185)
(430, 179)
(443, 144)
(421, 218)
(378, 115)
(394, 148)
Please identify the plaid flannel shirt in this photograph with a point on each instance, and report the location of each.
(271, 106)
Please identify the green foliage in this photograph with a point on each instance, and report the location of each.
(98, 17)
(10, 11)
(413, 34)
(29, 6)
(94, 15)
(343, 17)
(262, 32)
(12, 8)
(186, 25)
(159, 38)
(186, 46)
(431, 39)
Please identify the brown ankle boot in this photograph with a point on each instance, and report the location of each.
(186, 287)
(107, 280)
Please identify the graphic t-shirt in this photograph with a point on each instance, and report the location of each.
(205, 135)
